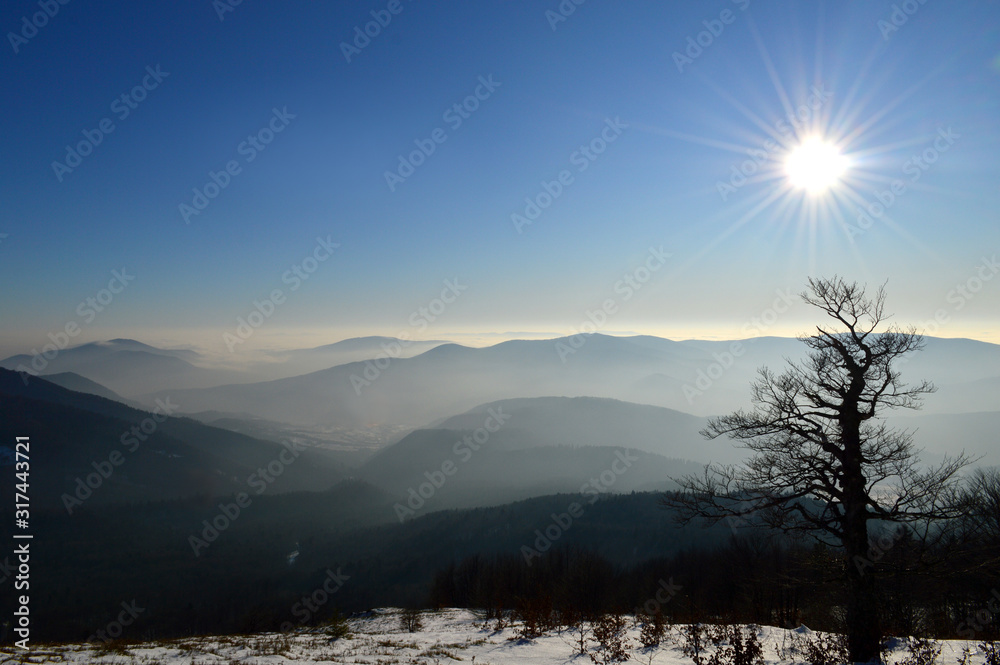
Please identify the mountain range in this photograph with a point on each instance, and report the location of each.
(571, 407)
(702, 378)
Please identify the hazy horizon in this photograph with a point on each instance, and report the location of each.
(471, 339)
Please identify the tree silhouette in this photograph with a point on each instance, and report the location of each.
(823, 461)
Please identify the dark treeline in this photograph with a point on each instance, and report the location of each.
(85, 565)
(624, 552)
(950, 589)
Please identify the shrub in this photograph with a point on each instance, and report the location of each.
(613, 643)
(824, 650)
(498, 615)
(578, 628)
(336, 627)
(694, 642)
(735, 645)
(410, 621)
(921, 651)
(537, 618)
(652, 629)
(991, 652)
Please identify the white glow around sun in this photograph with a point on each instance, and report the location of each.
(815, 165)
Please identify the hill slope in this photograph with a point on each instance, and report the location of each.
(514, 449)
(138, 455)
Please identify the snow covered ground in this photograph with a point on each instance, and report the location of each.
(446, 636)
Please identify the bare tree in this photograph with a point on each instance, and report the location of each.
(981, 518)
(824, 462)
(977, 533)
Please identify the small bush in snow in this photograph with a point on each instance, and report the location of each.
(336, 627)
(613, 644)
(652, 629)
(578, 628)
(824, 650)
(500, 617)
(695, 642)
(921, 651)
(537, 618)
(991, 651)
(735, 645)
(410, 621)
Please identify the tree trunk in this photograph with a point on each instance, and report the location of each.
(864, 633)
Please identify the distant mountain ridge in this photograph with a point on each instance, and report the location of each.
(132, 368)
(698, 377)
(125, 366)
(356, 349)
(127, 454)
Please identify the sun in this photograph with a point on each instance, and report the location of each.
(815, 165)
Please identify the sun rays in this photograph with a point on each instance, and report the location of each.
(818, 157)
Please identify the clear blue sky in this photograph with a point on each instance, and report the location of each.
(657, 184)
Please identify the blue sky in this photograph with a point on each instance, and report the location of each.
(890, 94)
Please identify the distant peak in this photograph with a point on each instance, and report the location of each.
(118, 342)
